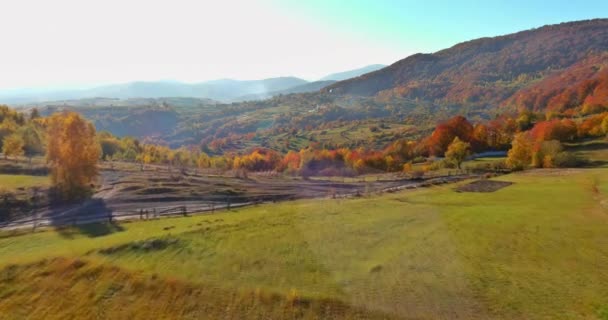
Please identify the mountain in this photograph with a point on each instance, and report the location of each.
(221, 90)
(225, 90)
(583, 84)
(352, 73)
(314, 85)
(486, 71)
(303, 88)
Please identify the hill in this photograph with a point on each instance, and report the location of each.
(221, 90)
(303, 88)
(339, 76)
(583, 84)
(485, 71)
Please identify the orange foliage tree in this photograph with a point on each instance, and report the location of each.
(72, 153)
(445, 133)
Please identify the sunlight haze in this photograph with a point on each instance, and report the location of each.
(85, 43)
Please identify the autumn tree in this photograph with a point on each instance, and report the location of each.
(544, 153)
(203, 161)
(457, 151)
(445, 133)
(72, 153)
(520, 154)
(12, 146)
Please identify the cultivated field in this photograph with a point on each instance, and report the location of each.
(535, 249)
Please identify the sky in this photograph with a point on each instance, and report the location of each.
(83, 43)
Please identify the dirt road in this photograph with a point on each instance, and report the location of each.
(140, 195)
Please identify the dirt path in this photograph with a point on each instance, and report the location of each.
(131, 196)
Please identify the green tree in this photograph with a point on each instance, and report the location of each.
(33, 138)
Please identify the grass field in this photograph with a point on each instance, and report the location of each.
(534, 250)
(595, 151)
(11, 182)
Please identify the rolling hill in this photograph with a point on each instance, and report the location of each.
(339, 76)
(486, 71)
(221, 90)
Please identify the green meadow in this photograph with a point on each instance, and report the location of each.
(534, 250)
(12, 182)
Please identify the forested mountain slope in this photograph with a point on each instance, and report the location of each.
(487, 70)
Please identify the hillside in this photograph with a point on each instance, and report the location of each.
(303, 88)
(583, 84)
(484, 71)
(339, 76)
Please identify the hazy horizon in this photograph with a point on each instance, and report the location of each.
(85, 45)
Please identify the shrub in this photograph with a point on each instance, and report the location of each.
(419, 160)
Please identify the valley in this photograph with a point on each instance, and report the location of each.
(465, 183)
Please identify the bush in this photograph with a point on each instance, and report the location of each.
(419, 160)
(441, 164)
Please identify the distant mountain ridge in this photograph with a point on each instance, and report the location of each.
(486, 71)
(221, 90)
(225, 90)
(352, 73)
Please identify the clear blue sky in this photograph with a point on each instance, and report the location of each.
(83, 43)
(432, 25)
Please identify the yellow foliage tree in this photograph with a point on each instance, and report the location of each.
(520, 155)
(13, 146)
(457, 151)
(72, 153)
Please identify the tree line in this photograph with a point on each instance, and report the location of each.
(72, 148)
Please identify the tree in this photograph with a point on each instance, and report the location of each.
(34, 114)
(12, 146)
(520, 154)
(457, 151)
(110, 146)
(72, 153)
(203, 161)
(544, 153)
(445, 133)
(605, 126)
(33, 139)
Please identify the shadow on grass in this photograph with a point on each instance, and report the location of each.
(91, 230)
(91, 218)
(596, 164)
(587, 146)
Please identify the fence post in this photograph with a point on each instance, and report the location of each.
(35, 224)
(184, 211)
